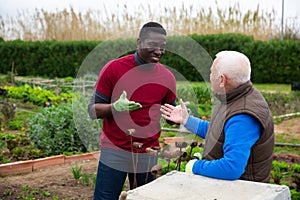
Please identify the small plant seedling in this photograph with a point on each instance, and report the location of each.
(46, 194)
(85, 179)
(93, 183)
(35, 192)
(76, 171)
(25, 188)
(55, 197)
(7, 192)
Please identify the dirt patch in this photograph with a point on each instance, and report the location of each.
(58, 181)
(50, 181)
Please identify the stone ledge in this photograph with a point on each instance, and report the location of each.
(181, 185)
(28, 166)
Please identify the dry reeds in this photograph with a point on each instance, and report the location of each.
(68, 25)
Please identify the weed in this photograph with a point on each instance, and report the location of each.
(76, 171)
(6, 160)
(7, 192)
(55, 197)
(25, 188)
(93, 183)
(85, 179)
(35, 192)
(45, 194)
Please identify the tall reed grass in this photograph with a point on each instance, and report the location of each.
(68, 25)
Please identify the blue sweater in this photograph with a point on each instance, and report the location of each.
(241, 132)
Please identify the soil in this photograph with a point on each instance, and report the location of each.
(58, 181)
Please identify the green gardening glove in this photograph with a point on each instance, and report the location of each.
(123, 104)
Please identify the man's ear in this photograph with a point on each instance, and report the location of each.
(223, 81)
(138, 43)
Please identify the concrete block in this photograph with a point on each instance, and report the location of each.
(183, 186)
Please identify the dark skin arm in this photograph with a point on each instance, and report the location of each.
(101, 110)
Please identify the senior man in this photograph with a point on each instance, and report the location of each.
(239, 139)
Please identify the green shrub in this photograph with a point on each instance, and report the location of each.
(36, 95)
(272, 61)
(295, 195)
(283, 166)
(87, 129)
(296, 168)
(282, 103)
(15, 125)
(53, 131)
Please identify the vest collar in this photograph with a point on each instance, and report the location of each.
(235, 93)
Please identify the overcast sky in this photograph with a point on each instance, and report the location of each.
(12, 7)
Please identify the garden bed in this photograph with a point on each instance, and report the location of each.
(59, 181)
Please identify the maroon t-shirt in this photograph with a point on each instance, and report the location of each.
(151, 87)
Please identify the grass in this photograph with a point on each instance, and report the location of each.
(273, 87)
(259, 86)
(69, 25)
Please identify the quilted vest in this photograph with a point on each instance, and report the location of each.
(247, 100)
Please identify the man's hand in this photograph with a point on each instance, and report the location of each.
(123, 104)
(178, 114)
(189, 166)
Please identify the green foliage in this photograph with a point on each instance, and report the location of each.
(296, 168)
(295, 195)
(272, 61)
(36, 95)
(198, 96)
(15, 125)
(281, 166)
(47, 58)
(282, 102)
(53, 131)
(173, 164)
(76, 171)
(45, 194)
(12, 141)
(171, 134)
(7, 192)
(87, 129)
(191, 151)
(25, 188)
(85, 180)
(93, 182)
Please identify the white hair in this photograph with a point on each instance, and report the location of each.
(234, 65)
